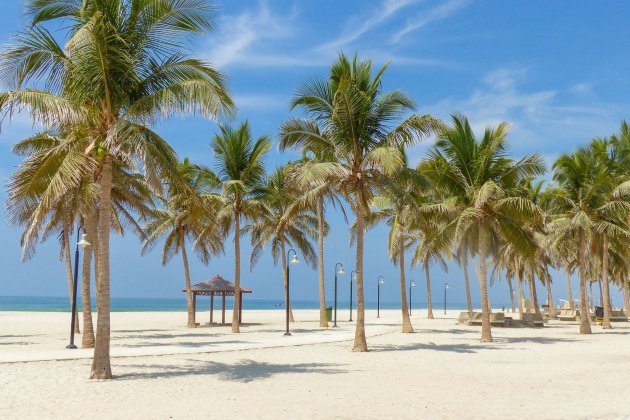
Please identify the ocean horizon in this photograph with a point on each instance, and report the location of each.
(133, 304)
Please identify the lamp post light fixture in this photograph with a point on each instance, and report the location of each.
(381, 280)
(412, 284)
(83, 243)
(294, 261)
(353, 276)
(341, 272)
(445, 287)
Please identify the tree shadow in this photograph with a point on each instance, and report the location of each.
(244, 371)
(191, 344)
(537, 340)
(159, 336)
(454, 348)
(17, 343)
(445, 331)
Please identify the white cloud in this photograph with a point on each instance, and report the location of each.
(261, 102)
(426, 17)
(582, 89)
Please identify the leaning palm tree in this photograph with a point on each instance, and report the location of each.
(359, 120)
(182, 218)
(239, 179)
(283, 222)
(481, 183)
(121, 69)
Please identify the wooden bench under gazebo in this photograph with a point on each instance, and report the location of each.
(217, 286)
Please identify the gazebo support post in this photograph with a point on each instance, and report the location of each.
(223, 309)
(211, 307)
(194, 308)
(240, 307)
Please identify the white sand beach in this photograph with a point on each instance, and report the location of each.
(163, 370)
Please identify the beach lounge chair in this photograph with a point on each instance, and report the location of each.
(618, 315)
(568, 314)
(497, 319)
(599, 315)
(533, 320)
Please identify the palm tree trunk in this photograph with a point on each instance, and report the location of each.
(509, 279)
(360, 343)
(606, 292)
(519, 291)
(323, 320)
(552, 310)
(406, 324)
(427, 276)
(189, 297)
(532, 285)
(284, 279)
(486, 332)
(69, 276)
(585, 324)
(87, 341)
(101, 367)
(626, 297)
(568, 276)
(237, 271)
(468, 297)
(601, 293)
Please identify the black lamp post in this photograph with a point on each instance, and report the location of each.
(340, 272)
(412, 284)
(82, 243)
(353, 275)
(381, 280)
(445, 288)
(294, 261)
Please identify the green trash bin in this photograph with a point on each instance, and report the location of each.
(329, 313)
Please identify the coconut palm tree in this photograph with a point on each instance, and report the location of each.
(482, 185)
(121, 69)
(363, 133)
(239, 179)
(183, 216)
(282, 222)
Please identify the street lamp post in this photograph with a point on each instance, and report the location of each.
(83, 243)
(353, 275)
(445, 287)
(294, 261)
(341, 272)
(381, 280)
(412, 284)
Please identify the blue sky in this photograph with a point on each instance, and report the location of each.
(557, 71)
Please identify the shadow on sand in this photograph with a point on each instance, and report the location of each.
(244, 371)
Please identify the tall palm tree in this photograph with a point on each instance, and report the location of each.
(183, 216)
(239, 178)
(360, 122)
(121, 69)
(282, 222)
(482, 185)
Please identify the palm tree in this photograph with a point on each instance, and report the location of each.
(120, 70)
(481, 183)
(282, 222)
(183, 216)
(359, 121)
(240, 178)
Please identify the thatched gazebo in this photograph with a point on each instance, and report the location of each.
(218, 286)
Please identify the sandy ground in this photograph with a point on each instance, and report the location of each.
(441, 371)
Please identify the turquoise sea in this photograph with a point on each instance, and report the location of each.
(61, 304)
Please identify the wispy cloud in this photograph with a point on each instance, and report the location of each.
(426, 17)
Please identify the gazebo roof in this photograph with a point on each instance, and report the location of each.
(216, 286)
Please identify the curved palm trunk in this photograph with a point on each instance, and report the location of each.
(569, 291)
(606, 292)
(601, 293)
(552, 309)
(532, 286)
(101, 367)
(486, 332)
(68, 258)
(360, 343)
(323, 320)
(509, 279)
(585, 325)
(87, 341)
(406, 324)
(427, 276)
(189, 298)
(237, 272)
(468, 297)
(626, 296)
(519, 292)
(284, 279)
